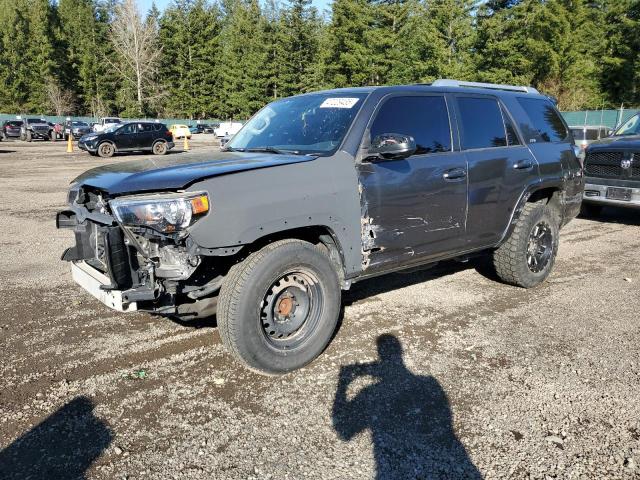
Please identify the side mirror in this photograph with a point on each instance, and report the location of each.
(392, 146)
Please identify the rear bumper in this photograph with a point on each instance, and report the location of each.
(596, 193)
(96, 283)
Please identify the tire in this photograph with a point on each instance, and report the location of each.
(106, 150)
(54, 136)
(591, 209)
(159, 148)
(287, 277)
(514, 262)
(29, 137)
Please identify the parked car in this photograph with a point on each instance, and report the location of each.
(612, 170)
(201, 128)
(193, 129)
(76, 129)
(211, 128)
(105, 123)
(12, 128)
(128, 137)
(227, 128)
(322, 190)
(583, 135)
(33, 128)
(180, 131)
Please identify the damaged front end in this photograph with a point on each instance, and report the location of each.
(135, 252)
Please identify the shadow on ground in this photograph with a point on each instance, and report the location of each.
(408, 415)
(626, 216)
(61, 447)
(394, 281)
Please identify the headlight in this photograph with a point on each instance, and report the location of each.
(163, 212)
(88, 138)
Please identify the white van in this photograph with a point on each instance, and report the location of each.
(227, 128)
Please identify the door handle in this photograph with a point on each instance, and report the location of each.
(523, 165)
(454, 174)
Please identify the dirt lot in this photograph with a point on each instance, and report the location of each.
(440, 373)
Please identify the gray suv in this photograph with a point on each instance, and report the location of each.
(322, 190)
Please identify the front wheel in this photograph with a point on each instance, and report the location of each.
(526, 258)
(278, 309)
(29, 137)
(106, 150)
(159, 148)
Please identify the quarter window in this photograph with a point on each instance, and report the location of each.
(545, 119)
(482, 124)
(424, 118)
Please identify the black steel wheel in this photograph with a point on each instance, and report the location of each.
(278, 309)
(291, 309)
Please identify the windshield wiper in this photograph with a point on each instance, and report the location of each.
(231, 149)
(277, 151)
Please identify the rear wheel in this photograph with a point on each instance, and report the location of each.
(526, 258)
(159, 148)
(591, 209)
(106, 150)
(278, 309)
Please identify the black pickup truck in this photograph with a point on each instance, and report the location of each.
(612, 169)
(321, 190)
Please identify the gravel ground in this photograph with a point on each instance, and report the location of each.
(440, 373)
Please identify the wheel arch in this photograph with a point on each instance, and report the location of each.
(107, 140)
(320, 235)
(549, 193)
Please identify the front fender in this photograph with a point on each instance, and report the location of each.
(249, 205)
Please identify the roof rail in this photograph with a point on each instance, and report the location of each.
(446, 82)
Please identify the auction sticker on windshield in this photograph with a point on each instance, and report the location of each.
(339, 102)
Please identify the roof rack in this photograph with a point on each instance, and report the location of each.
(446, 82)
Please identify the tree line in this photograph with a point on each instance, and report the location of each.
(226, 58)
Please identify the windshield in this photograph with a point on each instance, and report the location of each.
(36, 120)
(79, 124)
(112, 128)
(585, 133)
(314, 123)
(630, 127)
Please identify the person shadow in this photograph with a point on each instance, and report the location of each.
(63, 446)
(408, 415)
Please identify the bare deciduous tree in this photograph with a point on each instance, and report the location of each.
(60, 100)
(135, 42)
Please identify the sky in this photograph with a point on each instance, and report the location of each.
(161, 4)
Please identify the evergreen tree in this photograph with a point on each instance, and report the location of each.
(243, 53)
(299, 51)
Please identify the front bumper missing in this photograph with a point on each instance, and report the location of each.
(95, 283)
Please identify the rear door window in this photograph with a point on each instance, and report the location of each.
(482, 124)
(545, 119)
(425, 118)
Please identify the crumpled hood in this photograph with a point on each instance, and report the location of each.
(178, 170)
(616, 143)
